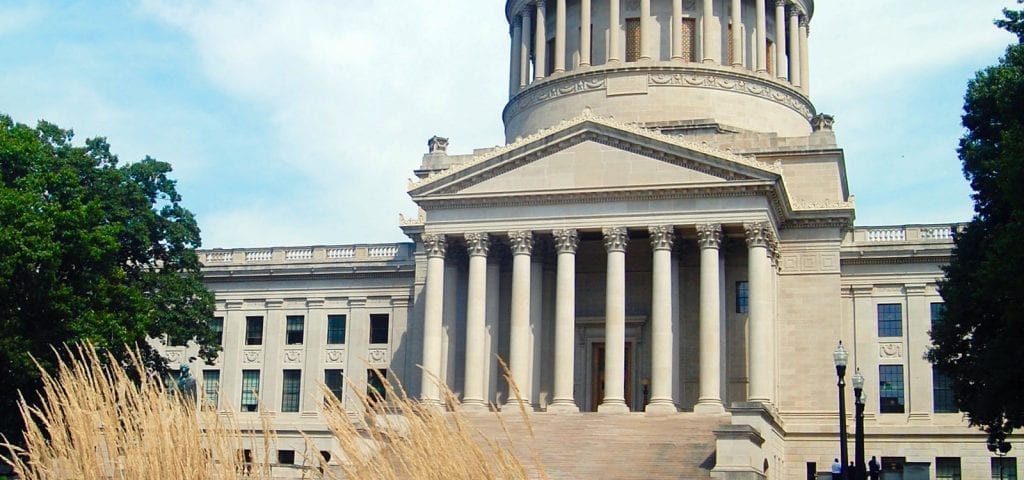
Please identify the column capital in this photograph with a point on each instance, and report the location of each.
(781, 3)
(794, 11)
(435, 244)
(526, 14)
(758, 234)
(541, 5)
(709, 235)
(566, 240)
(662, 236)
(477, 244)
(805, 21)
(521, 242)
(615, 238)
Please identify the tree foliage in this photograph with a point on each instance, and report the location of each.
(979, 343)
(89, 250)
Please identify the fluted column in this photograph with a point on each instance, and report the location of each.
(805, 73)
(524, 47)
(559, 36)
(514, 75)
(709, 238)
(585, 34)
(759, 311)
(615, 239)
(476, 319)
(540, 47)
(780, 39)
(677, 29)
(762, 37)
(614, 12)
(566, 242)
(662, 237)
(435, 247)
(794, 46)
(710, 40)
(645, 29)
(737, 34)
(519, 334)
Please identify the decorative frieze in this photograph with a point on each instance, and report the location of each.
(252, 356)
(662, 236)
(434, 244)
(292, 356)
(721, 81)
(890, 351)
(615, 238)
(521, 242)
(566, 240)
(335, 355)
(477, 244)
(377, 356)
(709, 235)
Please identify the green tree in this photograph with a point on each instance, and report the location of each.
(89, 250)
(979, 342)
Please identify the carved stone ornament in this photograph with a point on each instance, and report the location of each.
(251, 356)
(709, 235)
(566, 240)
(615, 238)
(477, 244)
(521, 242)
(434, 244)
(437, 144)
(173, 356)
(822, 121)
(758, 234)
(293, 356)
(662, 236)
(335, 356)
(377, 356)
(781, 3)
(890, 350)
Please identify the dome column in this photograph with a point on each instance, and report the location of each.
(794, 46)
(613, 31)
(515, 75)
(805, 74)
(737, 33)
(645, 29)
(559, 36)
(762, 38)
(677, 29)
(710, 40)
(585, 32)
(524, 48)
(540, 43)
(780, 39)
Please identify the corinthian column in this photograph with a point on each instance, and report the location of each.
(677, 29)
(585, 32)
(737, 34)
(540, 46)
(613, 31)
(759, 311)
(614, 401)
(661, 320)
(435, 247)
(476, 310)
(762, 37)
(566, 242)
(794, 46)
(559, 36)
(780, 39)
(710, 40)
(524, 47)
(709, 238)
(519, 328)
(805, 73)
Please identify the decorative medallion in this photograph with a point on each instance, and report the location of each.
(890, 351)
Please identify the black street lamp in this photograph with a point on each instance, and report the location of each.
(859, 399)
(840, 356)
(1000, 448)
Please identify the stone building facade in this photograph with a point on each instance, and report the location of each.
(668, 230)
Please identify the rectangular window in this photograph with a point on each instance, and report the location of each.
(632, 39)
(893, 464)
(742, 297)
(286, 457)
(290, 387)
(689, 32)
(549, 59)
(211, 388)
(890, 388)
(942, 393)
(334, 379)
(254, 330)
(375, 385)
(294, 329)
(379, 328)
(947, 468)
(250, 390)
(890, 320)
(938, 309)
(1004, 468)
(729, 48)
(217, 325)
(335, 329)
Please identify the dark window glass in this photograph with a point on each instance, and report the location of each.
(742, 297)
(293, 329)
(286, 457)
(937, 311)
(250, 390)
(334, 379)
(335, 329)
(890, 388)
(632, 39)
(893, 464)
(379, 328)
(947, 468)
(375, 385)
(290, 387)
(1004, 468)
(254, 330)
(217, 325)
(890, 320)
(689, 39)
(942, 393)
(211, 388)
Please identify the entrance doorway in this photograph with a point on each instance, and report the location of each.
(597, 375)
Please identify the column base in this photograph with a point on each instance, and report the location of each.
(709, 407)
(474, 406)
(613, 406)
(661, 407)
(517, 406)
(566, 406)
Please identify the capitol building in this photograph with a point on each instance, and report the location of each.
(664, 253)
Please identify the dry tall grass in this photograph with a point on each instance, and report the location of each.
(96, 421)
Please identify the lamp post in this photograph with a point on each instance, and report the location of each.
(859, 399)
(1000, 448)
(840, 356)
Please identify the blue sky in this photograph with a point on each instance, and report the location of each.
(298, 122)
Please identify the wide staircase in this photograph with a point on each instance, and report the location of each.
(607, 446)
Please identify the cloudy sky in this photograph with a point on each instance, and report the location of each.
(298, 122)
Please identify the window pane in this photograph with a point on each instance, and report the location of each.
(335, 329)
(294, 328)
(947, 468)
(890, 320)
(254, 330)
(942, 393)
(689, 39)
(1004, 468)
(375, 385)
(632, 39)
(742, 297)
(250, 390)
(890, 388)
(335, 381)
(379, 328)
(217, 325)
(290, 390)
(937, 310)
(286, 457)
(211, 388)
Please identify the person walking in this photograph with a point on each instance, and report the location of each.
(873, 469)
(837, 469)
